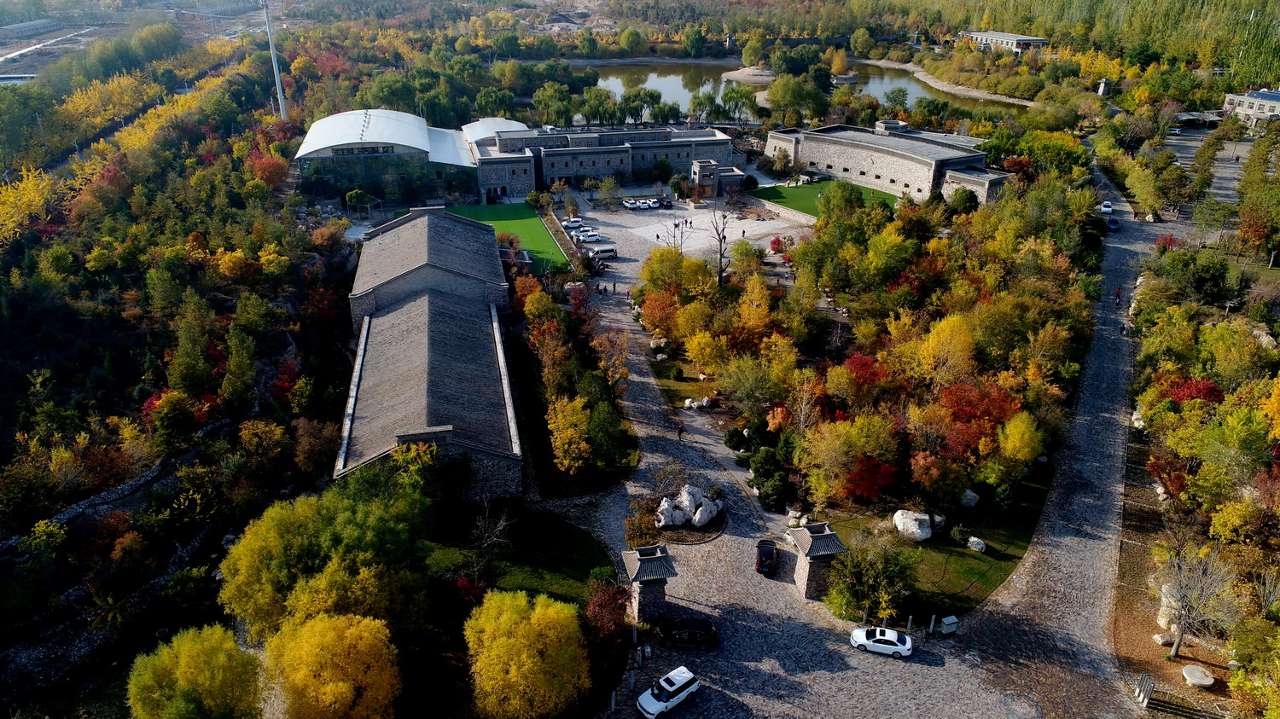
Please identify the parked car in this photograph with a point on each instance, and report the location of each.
(766, 557)
(581, 230)
(689, 632)
(1176, 131)
(1106, 208)
(591, 236)
(664, 203)
(652, 203)
(602, 252)
(667, 692)
(629, 203)
(572, 223)
(881, 641)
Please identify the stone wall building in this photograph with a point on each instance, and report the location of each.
(429, 362)
(816, 546)
(892, 158)
(1007, 41)
(1255, 106)
(648, 569)
(715, 179)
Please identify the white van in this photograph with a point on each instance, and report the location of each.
(602, 252)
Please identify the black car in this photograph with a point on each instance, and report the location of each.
(689, 632)
(766, 557)
(664, 203)
(1113, 223)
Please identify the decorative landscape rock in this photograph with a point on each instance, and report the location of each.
(689, 506)
(1164, 640)
(977, 545)
(1197, 676)
(969, 499)
(915, 525)
(1168, 603)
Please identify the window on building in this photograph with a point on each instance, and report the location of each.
(812, 163)
(918, 190)
(892, 181)
(845, 169)
(862, 173)
(828, 167)
(877, 177)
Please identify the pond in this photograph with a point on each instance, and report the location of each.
(678, 82)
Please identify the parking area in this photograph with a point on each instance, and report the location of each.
(635, 233)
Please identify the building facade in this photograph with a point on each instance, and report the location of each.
(498, 158)
(1007, 41)
(892, 158)
(1256, 106)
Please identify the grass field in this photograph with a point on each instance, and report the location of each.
(522, 221)
(804, 198)
(951, 578)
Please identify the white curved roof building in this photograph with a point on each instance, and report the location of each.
(383, 132)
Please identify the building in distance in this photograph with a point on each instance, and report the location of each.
(1253, 107)
(1007, 41)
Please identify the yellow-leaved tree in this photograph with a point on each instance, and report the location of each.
(947, 351)
(707, 352)
(335, 666)
(1020, 441)
(567, 419)
(200, 672)
(753, 306)
(528, 659)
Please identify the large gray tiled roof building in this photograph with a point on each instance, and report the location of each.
(429, 359)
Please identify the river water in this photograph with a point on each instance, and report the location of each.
(680, 81)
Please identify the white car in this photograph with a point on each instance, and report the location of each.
(651, 203)
(602, 252)
(1106, 208)
(1176, 131)
(581, 230)
(629, 203)
(572, 223)
(881, 641)
(667, 692)
(591, 236)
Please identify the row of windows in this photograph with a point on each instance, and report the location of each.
(863, 173)
(345, 151)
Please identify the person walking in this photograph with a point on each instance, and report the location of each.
(679, 431)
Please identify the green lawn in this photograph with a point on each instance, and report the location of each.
(550, 556)
(522, 221)
(804, 198)
(951, 578)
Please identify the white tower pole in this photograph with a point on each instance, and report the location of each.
(275, 64)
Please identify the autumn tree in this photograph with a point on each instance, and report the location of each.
(199, 673)
(947, 351)
(335, 666)
(567, 420)
(871, 579)
(829, 453)
(527, 657)
(753, 307)
(706, 351)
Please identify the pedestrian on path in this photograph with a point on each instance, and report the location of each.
(679, 431)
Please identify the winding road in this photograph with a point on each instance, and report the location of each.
(1039, 647)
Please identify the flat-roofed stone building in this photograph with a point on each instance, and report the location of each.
(1007, 41)
(892, 157)
(1254, 106)
(429, 363)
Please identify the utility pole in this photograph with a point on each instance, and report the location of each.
(275, 64)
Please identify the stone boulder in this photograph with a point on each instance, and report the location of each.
(969, 499)
(1197, 676)
(915, 525)
(669, 515)
(689, 499)
(1164, 639)
(705, 513)
(1168, 604)
(977, 545)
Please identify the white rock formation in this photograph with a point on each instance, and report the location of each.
(915, 525)
(977, 545)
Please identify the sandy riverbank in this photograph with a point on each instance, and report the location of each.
(749, 76)
(947, 87)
